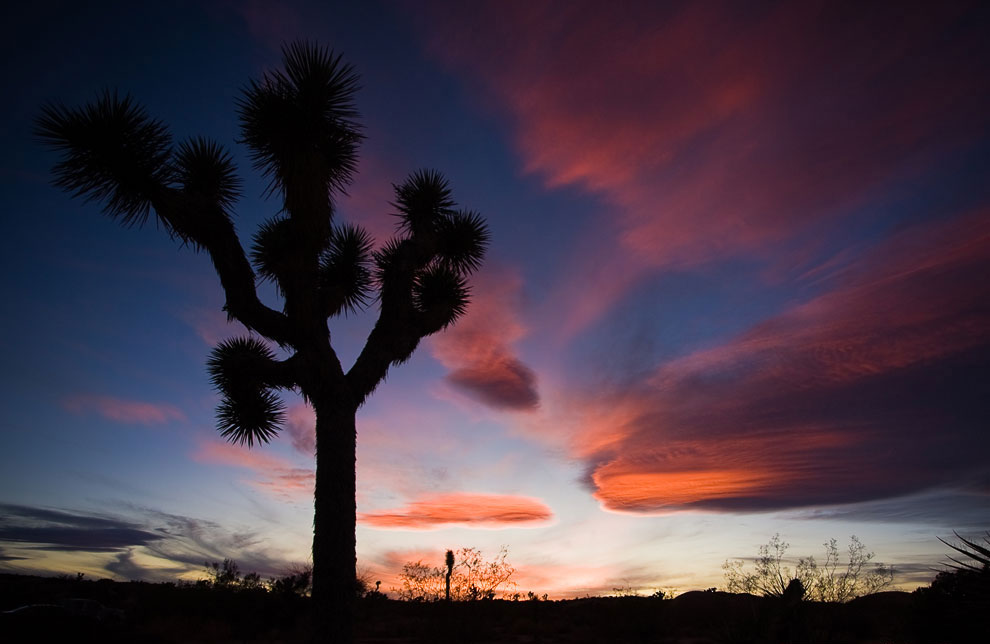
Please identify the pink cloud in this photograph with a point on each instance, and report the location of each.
(707, 132)
(478, 349)
(832, 401)
(270, 473)
(123, 411)
(212, 325)
(462, 509)
(300, 422)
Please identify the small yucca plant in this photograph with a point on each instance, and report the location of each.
(979, 554)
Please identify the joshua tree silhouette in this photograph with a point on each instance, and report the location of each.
(448, 560)
(299, 124)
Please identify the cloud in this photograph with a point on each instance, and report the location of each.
(123, 411)
(300, 422)
(125, 567)
(478, 349)
(6, 557)
(47, 529)
(211, 324)
(462, 509)
(707, 132)
(957, 508)
(137, 543)
(270, 473)
(831, 402)
(501, 382)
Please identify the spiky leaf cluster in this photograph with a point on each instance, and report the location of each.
(438, 247)
(978, 554)
(250, 411)
(273, 248)
(388, 262)
(112, 151)
(300, 122)
(441, 294)
(206, 171)
(427, 212)
(345, 270)
(423, 200)
(462, 239)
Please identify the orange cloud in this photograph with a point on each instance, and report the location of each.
(478, 349)
(123, 411)
(829, 402)
(462, 509)
(271, 474)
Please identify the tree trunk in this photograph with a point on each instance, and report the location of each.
(334, 521)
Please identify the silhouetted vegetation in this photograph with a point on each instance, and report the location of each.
(956, 606)
(106, 611)
(300, 126)
(230, 606)
(469, 579)
(830, 581)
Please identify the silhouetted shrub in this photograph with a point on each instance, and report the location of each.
(829, 582)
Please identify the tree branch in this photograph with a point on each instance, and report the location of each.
(399, 327)
(207, 226)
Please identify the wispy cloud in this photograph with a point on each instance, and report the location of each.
(800, 114)
(462, 509)
(270, 473)
(123, 411)
(211, 324)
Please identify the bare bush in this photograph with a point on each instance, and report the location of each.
(832, 581)
(470, 578)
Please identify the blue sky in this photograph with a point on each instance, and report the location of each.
(736, 287)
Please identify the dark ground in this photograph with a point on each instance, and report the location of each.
(66, 609)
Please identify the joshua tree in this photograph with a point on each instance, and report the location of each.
(448, 560)
(299, 124)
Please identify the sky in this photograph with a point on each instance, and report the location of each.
(737, 286)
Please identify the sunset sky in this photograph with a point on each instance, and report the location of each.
(738, 285)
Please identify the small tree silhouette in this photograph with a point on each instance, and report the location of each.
(448, 561)
(299, 124)
(469, 577)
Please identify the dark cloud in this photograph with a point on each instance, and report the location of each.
(56, 530)
(6, 557)
(185, 541)
(503, 384)
(956, 509)
(124, 566)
